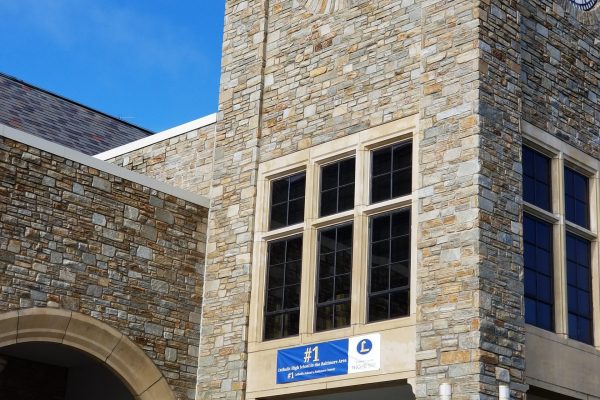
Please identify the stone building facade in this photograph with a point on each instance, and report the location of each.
(492, 111)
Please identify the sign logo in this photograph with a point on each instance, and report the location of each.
(364, 346)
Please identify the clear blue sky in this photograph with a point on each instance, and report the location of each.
(155, 63)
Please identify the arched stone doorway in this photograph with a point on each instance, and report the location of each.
(112, 350)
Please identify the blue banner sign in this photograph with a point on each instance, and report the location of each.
(321, 360)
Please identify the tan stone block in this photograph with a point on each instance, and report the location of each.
(159, 391)
(133, 365)
(43, 324)
(92, 336)
(8, 328)
(455, 357)
(318, 71)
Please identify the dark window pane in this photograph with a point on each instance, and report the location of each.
(399, 304)
(379, 279)
(329, 202)
(539, 291)
(346, 198)
(329, 176)
(576, 198)
(378, 307)
(342, 315)
(347, 168)
(382, 161)
(335, 277)
(325, 290)
(536, 178)
(401, 183)
(276, 276)
(326, 265)
(380, 229)
(287, 201)
(399, 275)
(401, 223)
(279, 216)
(296, 212)
(337, 187)
(400, 249)
(381, 187)
(402, 156)
(324, 317)
(380, 253)
(283, 288)
(579, 290)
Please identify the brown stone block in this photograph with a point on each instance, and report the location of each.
(455, 357)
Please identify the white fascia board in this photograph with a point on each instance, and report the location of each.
(74, 155)
(158, 137)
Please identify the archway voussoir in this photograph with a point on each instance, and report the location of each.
(159, 391)
(9, 323)
(91, 336)
(42, 324)
(132, 364)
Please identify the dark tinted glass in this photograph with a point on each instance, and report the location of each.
(334, 277)
(536, 178)
(579, 293)
(391, 172)
(337, 187)
(539, 297)
(282, 301)
(576, 198)
(389, 266)
(287, 201)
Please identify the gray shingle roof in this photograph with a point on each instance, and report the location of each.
(60, 120)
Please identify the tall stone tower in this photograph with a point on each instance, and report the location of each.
(307, 83)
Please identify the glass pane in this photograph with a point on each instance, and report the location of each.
(382, 161)
(401, 223)
(544, 316)
(399, 304)
(292, 296)
(274, 299)
(576, 197)
(380, 253)
(279, 191)
(400, 249)
(381, 188)
(324, 317)
(346, 198)
(291, 323)
(379, 279)
(585, 331)
(342, 315)
(380, 228)
(378, 307)
(329, 202)
(399, 275)
(293, 272)
(544, 289)
(344, 236)
(325, 290)
(326, 265)
(277, 252)
(273, 326)
(329, 176)
(530, 311)
(342, 287)
(275, 276)
(401, 183)
(343, 262)
(297, 186)
(327, 241)
(402, 156)
(296, 211)
(584, 302)
(347, 168)
(294, 249)
(530, 283)
(278, 216)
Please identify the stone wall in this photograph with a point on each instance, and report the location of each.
(77, 238)
(560, 71)
(184, 161)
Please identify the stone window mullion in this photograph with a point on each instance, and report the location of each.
(561, 314)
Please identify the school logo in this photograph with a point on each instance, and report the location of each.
(364, 347)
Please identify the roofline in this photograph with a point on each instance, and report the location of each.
(158, 137)
(84, 159)
(12, 78)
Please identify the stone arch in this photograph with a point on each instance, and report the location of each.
(93, 337)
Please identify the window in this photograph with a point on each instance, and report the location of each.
(282, 311)
(333, 242)
(557, 252)
(334, 277)
(389, 267)
(337, 187)
(287, 201)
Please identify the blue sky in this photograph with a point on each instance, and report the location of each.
(154, 63)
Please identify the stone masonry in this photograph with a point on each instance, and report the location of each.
(184, 161)
(76, 238)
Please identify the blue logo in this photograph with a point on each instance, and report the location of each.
(364, 346)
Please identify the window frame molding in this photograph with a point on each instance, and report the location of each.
(358, 145)
(563, 155)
